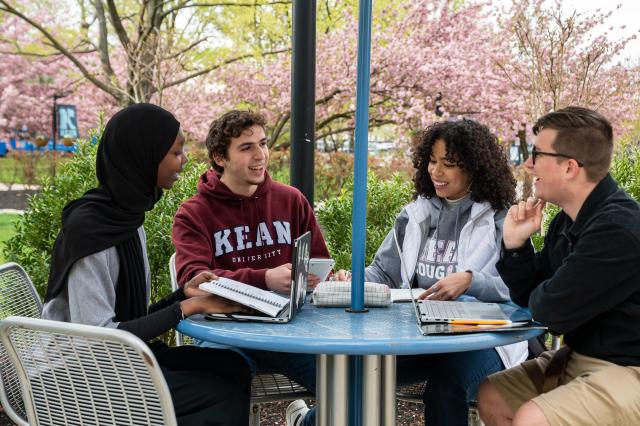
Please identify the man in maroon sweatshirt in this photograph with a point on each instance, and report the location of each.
(241, 225)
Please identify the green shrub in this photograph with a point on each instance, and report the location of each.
(385, 199)
(334, 169)
(625, 168)
(550, 211)
(37, 229)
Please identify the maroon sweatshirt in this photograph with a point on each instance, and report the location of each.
(241, 237)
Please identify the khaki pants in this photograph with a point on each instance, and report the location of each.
(590, 391)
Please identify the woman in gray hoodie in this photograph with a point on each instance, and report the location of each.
(447, 241)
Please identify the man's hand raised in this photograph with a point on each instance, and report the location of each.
(522, 221)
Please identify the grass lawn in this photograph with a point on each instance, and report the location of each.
(6, 231)
(27, 168)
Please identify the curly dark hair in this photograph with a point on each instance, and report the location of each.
(230, 125)
(473, 148)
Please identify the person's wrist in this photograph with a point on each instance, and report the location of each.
(511, 243)
(470, 276)
(188, 307)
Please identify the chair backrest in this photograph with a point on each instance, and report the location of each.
(172, 272)
(180, 339)
(73, 374)
(18, 297)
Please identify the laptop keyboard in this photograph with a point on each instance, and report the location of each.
(441, 309)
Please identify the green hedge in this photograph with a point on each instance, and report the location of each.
(385, 199)
(37, 229)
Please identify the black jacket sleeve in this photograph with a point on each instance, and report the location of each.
(590, 280)
(522, 270)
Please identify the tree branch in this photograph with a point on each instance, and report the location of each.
(103, 45)
(116, 21)
(186, 49)
(184, 5)
(279, 126)
(219, 65)
(113, 91)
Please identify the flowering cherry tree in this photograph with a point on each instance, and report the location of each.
(29, 80)
(560, 59)
(138, 49)
(420, 50)
(431, 60)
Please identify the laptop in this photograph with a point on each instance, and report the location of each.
(451, 317)
(299, 275)
(439, 311)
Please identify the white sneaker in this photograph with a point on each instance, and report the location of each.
(296, 411)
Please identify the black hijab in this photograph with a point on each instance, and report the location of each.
(133, 144)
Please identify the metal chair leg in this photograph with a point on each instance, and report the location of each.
(474, 415)
(254, 414)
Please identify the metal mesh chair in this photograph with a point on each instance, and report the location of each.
(73, 374)
(180, 338)
(265, 387)
(18, 297)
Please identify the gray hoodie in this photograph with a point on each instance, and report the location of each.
(479, 245)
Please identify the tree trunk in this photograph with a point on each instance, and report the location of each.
(527, 182)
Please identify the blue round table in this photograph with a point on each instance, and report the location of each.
(334, 335)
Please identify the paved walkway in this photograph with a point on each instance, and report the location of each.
(13, 197)
(17, 187)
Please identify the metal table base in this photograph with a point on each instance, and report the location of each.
(378, 388)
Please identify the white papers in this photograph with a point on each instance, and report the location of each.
(404, 294)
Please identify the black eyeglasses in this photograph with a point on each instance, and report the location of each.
(535, 153)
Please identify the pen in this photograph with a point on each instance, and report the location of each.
(479, 322)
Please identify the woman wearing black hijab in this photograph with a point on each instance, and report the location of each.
(100, 272)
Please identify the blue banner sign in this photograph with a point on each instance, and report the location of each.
(67, 121)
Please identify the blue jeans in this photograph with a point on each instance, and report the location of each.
(452, 382)
(299, 367)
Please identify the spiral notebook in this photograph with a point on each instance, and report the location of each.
(270, 306)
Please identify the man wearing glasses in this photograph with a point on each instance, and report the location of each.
(585, 284)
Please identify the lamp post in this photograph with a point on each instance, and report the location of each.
(438, 105)
(54, 126)
(303, 89)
